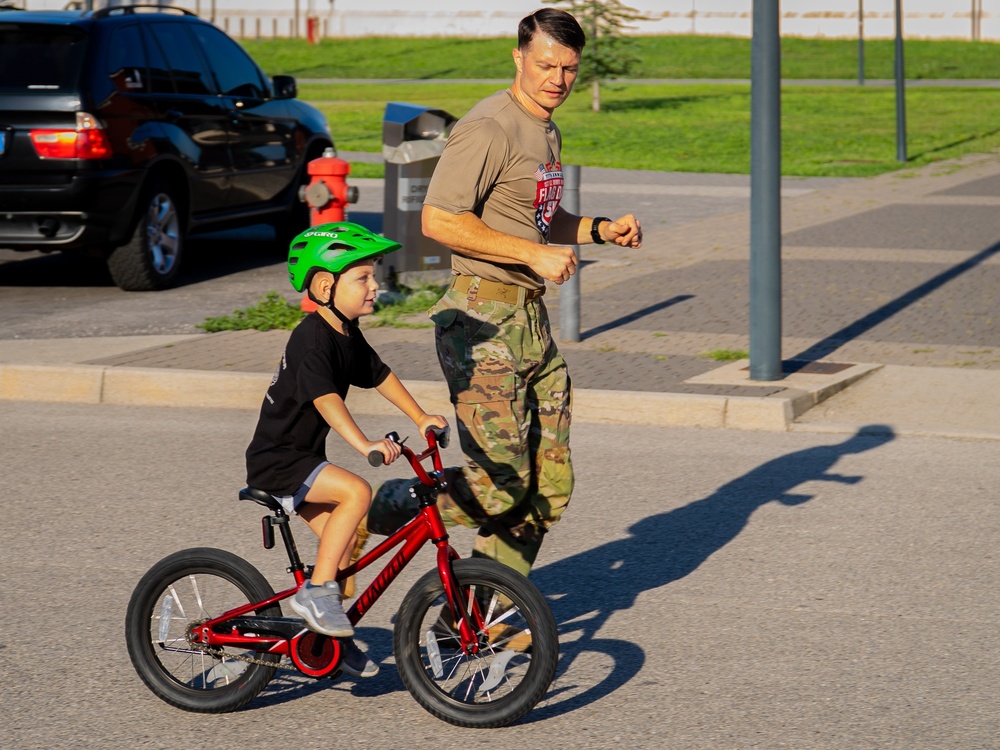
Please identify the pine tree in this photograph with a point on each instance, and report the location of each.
(609, 53)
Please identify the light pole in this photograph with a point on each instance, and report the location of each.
(861, 42)
(900, 87)
(765, 193)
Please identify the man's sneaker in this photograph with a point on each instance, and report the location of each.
(321, 608)
(347, 586)
(353, 660)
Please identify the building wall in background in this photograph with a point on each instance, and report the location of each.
(923, 19)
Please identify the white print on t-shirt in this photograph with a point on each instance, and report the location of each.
(282, 366)
(548, 193)
(274, 378)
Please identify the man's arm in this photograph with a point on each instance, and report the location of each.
(570, 229)
(468, 235)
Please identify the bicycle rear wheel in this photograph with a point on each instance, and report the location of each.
(184, 588)
(519, 646)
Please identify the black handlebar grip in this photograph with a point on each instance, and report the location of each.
(375, 458)
(442, 435)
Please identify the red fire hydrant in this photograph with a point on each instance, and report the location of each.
(327, 195)
(328, 192)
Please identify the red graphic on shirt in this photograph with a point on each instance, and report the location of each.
(548, 193)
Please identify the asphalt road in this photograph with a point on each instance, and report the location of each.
(714, 589)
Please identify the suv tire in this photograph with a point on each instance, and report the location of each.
(151, 259)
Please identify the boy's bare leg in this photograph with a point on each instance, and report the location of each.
(333, 508)
(317, 518)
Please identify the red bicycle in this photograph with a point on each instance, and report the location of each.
(475, 642)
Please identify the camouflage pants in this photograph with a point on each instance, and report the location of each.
(511, 391)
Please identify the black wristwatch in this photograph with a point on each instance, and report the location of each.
(594, 234)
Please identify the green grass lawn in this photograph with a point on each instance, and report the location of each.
(662, 57)
(846, 131)
(826, 131)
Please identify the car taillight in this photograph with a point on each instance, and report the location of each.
(87, 141)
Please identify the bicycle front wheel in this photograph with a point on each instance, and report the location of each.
(518, 646)
(185, 588)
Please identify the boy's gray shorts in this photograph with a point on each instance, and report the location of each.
(291, 502)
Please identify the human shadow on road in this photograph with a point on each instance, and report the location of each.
(587, 589)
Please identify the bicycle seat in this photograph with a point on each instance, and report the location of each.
(260, 497)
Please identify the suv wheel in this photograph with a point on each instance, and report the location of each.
(151, 259)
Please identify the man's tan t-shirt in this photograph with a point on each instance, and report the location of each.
(501, 163)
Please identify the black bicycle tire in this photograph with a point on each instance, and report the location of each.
(544, 653)
(140, 611)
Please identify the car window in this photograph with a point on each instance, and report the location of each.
(235, 72)
(181, 53)
(40, 58)
(127, 61)
(160, 81)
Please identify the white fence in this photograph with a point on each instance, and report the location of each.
(922, 19)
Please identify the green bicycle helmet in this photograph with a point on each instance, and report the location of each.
(332, 247)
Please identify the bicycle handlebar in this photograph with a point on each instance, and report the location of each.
(436, 438)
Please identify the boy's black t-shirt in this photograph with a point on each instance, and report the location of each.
(290, 439)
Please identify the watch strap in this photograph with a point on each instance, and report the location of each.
(594, 234)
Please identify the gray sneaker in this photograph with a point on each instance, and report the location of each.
(322, 610)
(353, 660)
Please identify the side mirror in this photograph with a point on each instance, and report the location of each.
(285, 87)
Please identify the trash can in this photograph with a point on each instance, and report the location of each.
(413, 138)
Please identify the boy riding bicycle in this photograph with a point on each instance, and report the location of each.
(324, 356)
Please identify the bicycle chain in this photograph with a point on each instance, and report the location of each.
(222, 654)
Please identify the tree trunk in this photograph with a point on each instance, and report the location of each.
(595, 96)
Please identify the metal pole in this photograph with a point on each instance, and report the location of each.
(765, 193)
(900, 87)
(569, 291)
(861, 42)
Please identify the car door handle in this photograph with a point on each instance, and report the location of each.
(173, 115)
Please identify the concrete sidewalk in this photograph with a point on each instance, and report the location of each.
(888, 296)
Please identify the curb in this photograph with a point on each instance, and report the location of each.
(132, 386)
(138, 386)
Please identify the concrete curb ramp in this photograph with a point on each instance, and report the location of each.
(135, 386)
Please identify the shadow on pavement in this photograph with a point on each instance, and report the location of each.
(585, 590)
(648, 310)
(834, 341)
(205, 257)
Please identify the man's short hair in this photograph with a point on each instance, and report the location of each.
(558, 24)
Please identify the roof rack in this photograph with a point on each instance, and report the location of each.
(129, 10)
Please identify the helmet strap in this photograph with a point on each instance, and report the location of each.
(329, 305)
(346, 321)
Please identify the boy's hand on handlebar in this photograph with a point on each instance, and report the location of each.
(389, 449)
(429, 421)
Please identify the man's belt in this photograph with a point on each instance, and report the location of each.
(475, 288)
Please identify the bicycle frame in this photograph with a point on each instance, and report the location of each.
(236, 630)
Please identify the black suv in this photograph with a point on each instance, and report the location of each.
(124, 130)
